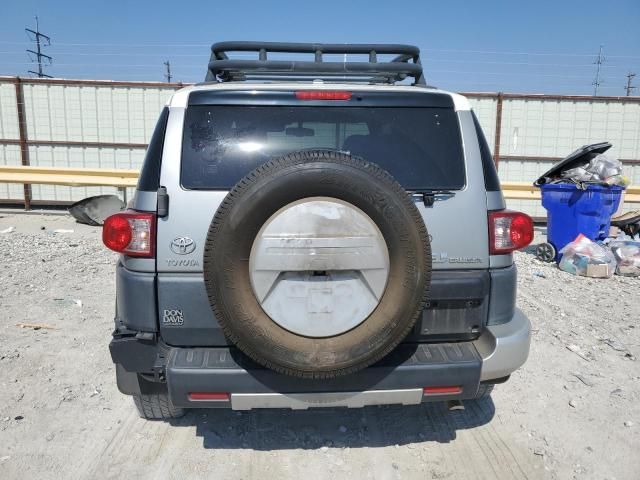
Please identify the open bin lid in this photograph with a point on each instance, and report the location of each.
(576, 158)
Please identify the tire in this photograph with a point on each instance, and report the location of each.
(484, 391)
(157, 407)
(265, 191)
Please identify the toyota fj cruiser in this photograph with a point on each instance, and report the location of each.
(315, 233)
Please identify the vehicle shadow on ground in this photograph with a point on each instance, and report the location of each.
(334, 427)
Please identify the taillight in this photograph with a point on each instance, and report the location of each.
(454, 390)
(130, 233)
(509, 231)
(322, 95)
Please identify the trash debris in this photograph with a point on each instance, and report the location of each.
(627, 255)
(63, 230)
(628, 423)
(576, 349)
(77, 302)
(616, 345)
(602, 169)
(36, 326)
(628, 222)
(587, 258)
(578, 158)
(572, 403)
(94, 210)
(582, 379)
(8, 230)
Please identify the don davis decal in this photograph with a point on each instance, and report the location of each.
(172, 317)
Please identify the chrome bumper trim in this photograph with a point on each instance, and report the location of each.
(303, 401)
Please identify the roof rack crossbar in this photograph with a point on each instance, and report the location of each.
(406, 62)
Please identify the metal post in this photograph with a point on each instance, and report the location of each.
(496, 143)
(24, 148)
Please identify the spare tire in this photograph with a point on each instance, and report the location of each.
(317, 264)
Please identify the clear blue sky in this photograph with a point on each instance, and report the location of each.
(514, 46)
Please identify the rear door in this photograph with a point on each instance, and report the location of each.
(220, 136)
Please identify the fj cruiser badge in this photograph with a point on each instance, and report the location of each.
(183, 245)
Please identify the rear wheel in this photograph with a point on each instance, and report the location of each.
(157, 407)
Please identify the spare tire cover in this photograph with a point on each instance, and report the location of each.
(317, 264)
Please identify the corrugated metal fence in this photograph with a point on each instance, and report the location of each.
(103, 124)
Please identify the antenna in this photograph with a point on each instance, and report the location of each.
(39, 38)
(168, 74)
(629, 88)
(599, 61)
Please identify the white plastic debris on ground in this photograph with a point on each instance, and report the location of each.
(627, 255)
(587, 258)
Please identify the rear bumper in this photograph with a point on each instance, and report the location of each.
(504, 348)
(402, 374)
(398, 379)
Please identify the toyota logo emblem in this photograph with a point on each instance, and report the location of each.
(183, 245)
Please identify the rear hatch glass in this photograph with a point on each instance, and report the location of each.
(420, 146)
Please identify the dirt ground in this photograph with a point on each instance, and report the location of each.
(573, 411)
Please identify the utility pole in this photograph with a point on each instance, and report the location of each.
(39, 38)
(599, 63)
(629, 88)
(168, 74)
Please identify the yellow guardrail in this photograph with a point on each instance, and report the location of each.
(74, 177)
(85, 177)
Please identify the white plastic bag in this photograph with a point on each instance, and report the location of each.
(627, 254)
(588, 259)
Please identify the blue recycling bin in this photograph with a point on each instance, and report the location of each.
(571, 211)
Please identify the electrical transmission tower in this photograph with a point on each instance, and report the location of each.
(168, 74)
(599, 61)
(39, 38)
(630, 88)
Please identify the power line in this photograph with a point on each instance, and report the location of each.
(207, 45)
(598, 63)
(629, 88)
(37, 36)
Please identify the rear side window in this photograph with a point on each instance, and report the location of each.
(149, 179)
(419, 146)
(491, 180)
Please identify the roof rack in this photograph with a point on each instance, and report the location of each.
(405, 64)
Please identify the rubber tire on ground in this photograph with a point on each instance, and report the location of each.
(157, 407)
(262, 193)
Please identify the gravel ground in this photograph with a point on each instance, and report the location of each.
(573, 411)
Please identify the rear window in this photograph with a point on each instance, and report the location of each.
(419, 146)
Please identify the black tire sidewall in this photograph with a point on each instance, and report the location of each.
(277, 184)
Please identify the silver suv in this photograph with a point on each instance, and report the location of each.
(315, 233)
